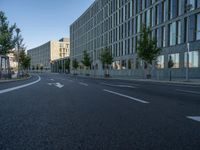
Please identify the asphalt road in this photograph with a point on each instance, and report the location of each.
(60, 112)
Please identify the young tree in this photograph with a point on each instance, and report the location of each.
(147, 49)
(41, 68)
(33, 67)
(60, 67)
(37, 67)
(86, 60)
(106, 59)
(24, 61)
(67, 65)
(170, 65)
(7, 39)
(75, 64)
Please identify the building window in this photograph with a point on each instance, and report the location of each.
(172, 34)
(192, 2)
(191, 28)
(193, 59)
(175, 59)
(179, 34)
(173, 8)
(198, 27)
(160, 62)
(163, 36)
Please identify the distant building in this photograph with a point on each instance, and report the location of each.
(116, 24)
(48, 52)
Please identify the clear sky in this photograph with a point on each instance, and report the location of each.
(43, 20)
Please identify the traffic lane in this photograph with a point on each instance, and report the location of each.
(90, 119)
(91, 105)
(142, 83)
(6, 85)
(171, 125)
(170, 91)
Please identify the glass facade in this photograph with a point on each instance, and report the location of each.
(198, 27)
(160, 62)
(172, 34)
(193, 59)
(175, 58)
(117, 24)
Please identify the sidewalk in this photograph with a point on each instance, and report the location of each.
(15, 79)
(174, 81)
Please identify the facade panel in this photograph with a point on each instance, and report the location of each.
(116, 24)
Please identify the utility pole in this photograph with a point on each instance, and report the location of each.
(188, 8)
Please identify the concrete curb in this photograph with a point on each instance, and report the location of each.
(15, 80)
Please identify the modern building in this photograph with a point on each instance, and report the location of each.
(59, 65)
(46, 53)
(116, 24)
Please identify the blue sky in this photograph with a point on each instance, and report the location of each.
(43, 20)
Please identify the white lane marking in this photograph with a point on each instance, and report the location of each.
(126, 96)
(81, 83)
(69, 80)
(186, 91)
(59, 85)
(127, 86)
(52, 79)
(196, 118)
(19, 87)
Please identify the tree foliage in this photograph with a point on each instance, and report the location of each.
(7, 38)
(24, 60)
(170, 62)
(106, 57)
(75, 64)
(147, 47)
(86, 59)
(67, 64)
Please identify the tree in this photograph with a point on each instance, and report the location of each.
(60, 67)
(75, 64)
(106, 59)
(33, 67)
(86, 59)
(7, 38)
(37, 67)
(41, 68)
(170, 65)
(24, 61)
(67, 65)
(147, 48)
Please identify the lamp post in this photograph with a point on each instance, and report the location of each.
(17, 31)
(188, 8)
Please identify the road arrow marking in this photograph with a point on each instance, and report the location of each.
(126, 96)
(56, 84)
(59, 85)
(196, 118)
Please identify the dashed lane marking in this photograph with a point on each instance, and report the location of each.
(126, 96)
(195, 118)
(81, 83)
(187, 91)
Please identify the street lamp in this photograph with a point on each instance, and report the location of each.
(17, 31)
(188, 8)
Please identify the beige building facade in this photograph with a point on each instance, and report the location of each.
(48, 52)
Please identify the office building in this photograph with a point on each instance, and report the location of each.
(48, 52)
(116, 24)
